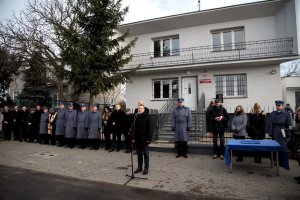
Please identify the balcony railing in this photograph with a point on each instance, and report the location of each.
(205, 54)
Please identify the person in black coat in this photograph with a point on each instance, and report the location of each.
(219, 119)
(23, 119)
(142, 137)
(128, 123)
(30, 125)
(16, 117)
(7, 122)
(256, 127)
(107, 129)
(36, 122)
(117, 120)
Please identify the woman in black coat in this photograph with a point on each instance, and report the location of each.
(142, 138)
(256, 127)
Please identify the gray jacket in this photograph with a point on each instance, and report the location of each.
(239, 122)
(60, 122)
(70, 124)
(44, 123)
(94, 125)
(82, 129)
(181, 122)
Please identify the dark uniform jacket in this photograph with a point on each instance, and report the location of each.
(142, 130)
(257, 125)
(217, 126)
(94, 124)
(44, 123)
(70, 124)
(60, 122)
(7, 120)
(117, 117)
(82, 128)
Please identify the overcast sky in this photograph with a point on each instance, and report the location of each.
(140, 9)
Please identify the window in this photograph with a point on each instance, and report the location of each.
(167, 46)
(165, 89)
(228, 39)
(231, 85)
(55, 99)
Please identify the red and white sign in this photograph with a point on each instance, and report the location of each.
(206, 80)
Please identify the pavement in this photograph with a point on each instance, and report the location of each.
(198, 175)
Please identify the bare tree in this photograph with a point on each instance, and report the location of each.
(32, 30)
(291, 69)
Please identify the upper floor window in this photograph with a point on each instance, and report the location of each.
(228, 39)
(164, 89)
(231, 85)
(166, 46)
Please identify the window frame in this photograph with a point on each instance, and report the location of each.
(233, 45)
(171, 89)
(238, 85)
(163, 52)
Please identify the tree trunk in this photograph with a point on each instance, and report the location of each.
(60, 89)
(91, 99)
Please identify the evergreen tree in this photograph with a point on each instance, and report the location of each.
(9, 66)
(93, 47)
(35, 81)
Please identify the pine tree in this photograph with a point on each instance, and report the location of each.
(93, 47)
(35, 81)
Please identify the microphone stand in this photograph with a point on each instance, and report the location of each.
(131, 154)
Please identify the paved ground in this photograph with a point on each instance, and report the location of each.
(196, 175)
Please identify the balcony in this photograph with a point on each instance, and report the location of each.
(208, 54)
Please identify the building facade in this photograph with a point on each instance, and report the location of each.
(233, 52)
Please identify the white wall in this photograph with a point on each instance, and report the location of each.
(289, 86)
(201, 35)
(263, 87)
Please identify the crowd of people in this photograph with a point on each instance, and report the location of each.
(67, 127)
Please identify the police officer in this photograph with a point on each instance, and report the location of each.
(278, 126)
(70, 126)
(43, 128)
(82, 129)
(60, 124)
(181, 124)
(94, 124)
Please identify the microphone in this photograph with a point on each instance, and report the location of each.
(136, 114)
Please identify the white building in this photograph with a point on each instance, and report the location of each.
(291, 91)
(234, 51)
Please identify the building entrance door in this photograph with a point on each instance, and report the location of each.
(189, 92)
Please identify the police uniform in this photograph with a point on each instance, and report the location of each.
(94, 124)
(60, 126)
(82, 129)
(278, 126)
(70, 126)
(181, 123)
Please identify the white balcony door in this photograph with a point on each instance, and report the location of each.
(189, 92)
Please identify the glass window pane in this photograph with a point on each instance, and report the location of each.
(175, 46)
(241, 85)
(156, 89)
(216, 37)
(219, 84)
(166, 47)
(174, 88)
(239, 39)
(227, 40)
(166, 89)
(230, 85)
(157, 48)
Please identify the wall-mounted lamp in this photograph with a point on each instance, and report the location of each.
(273, 71)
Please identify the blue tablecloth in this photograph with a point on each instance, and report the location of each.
(255, 145)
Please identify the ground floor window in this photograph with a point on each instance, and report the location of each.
(165, 89)
(234, 85)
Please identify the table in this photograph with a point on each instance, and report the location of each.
(256, 145)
